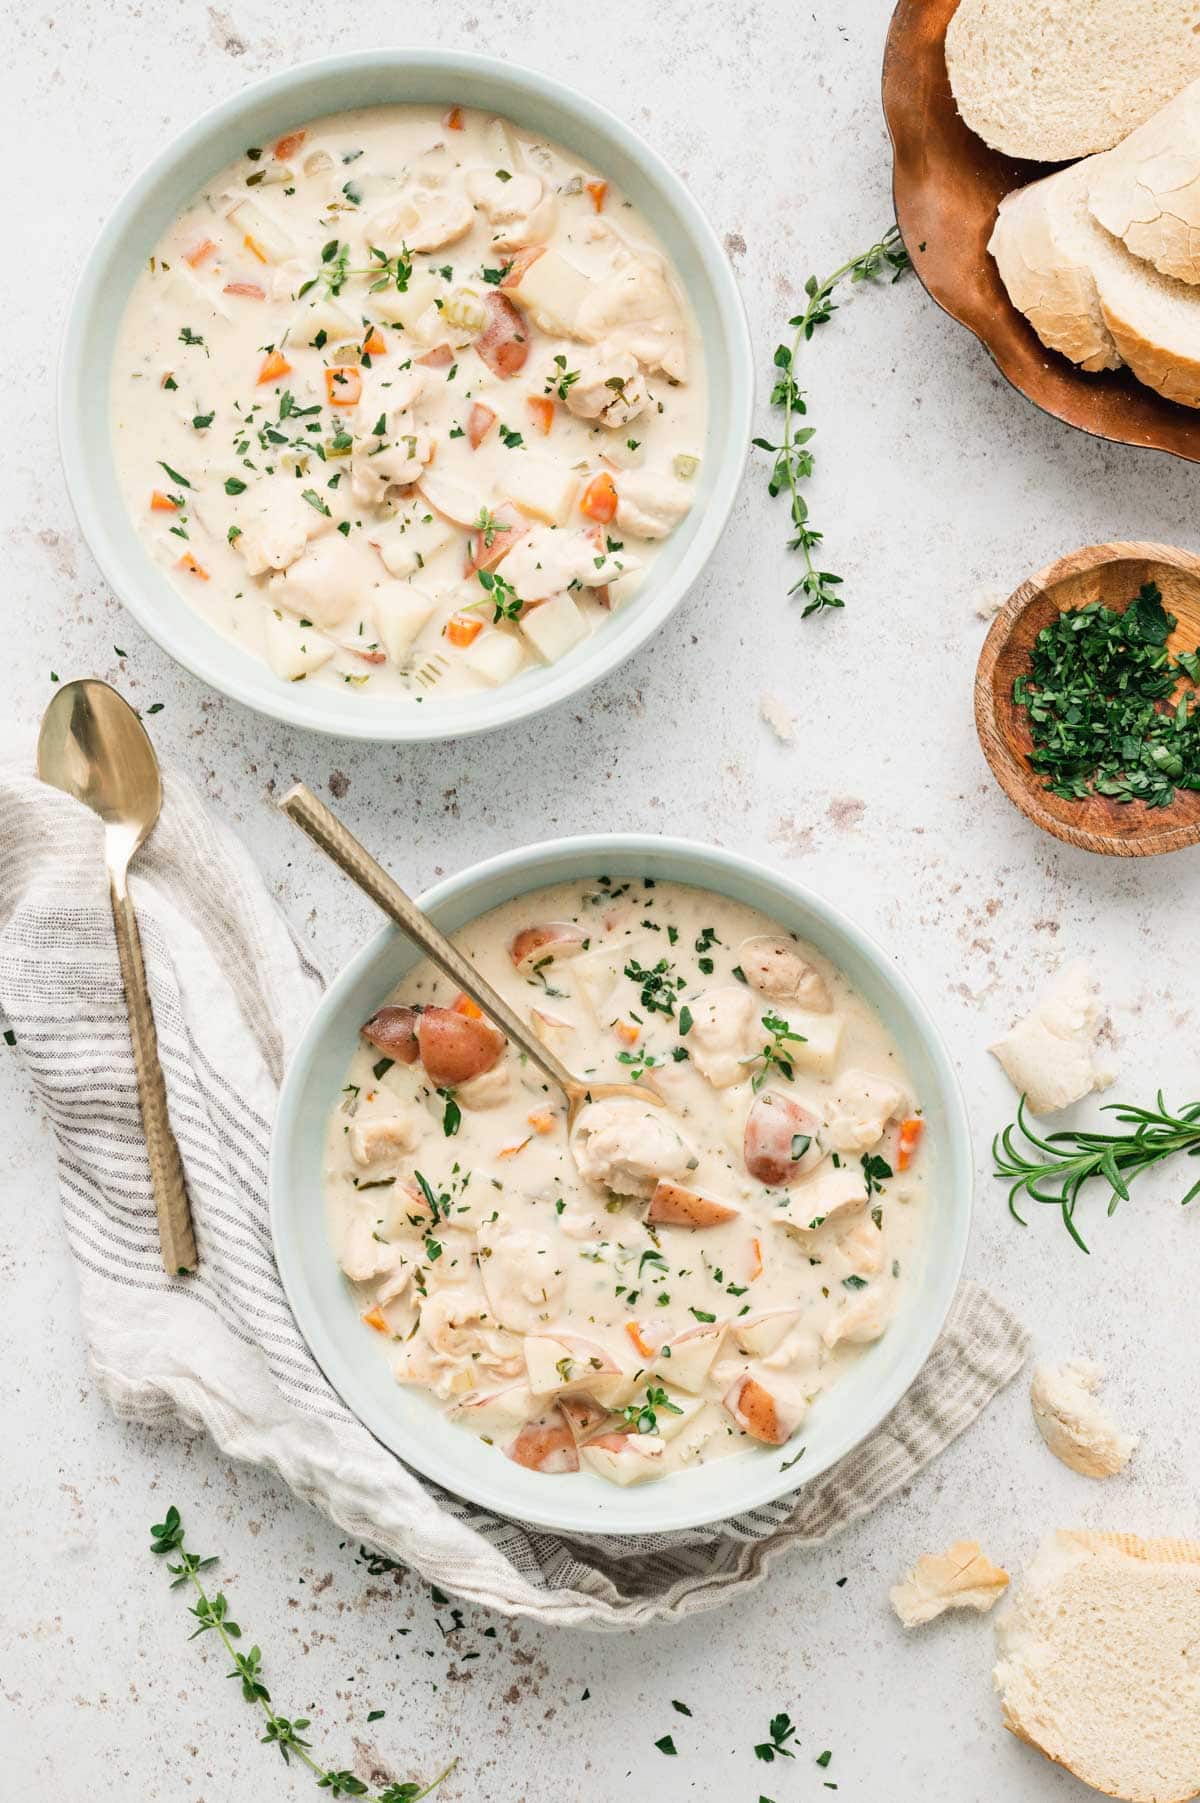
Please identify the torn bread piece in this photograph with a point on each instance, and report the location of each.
(1051, 1056)
(1075, 1426)
(962, 1577)
(1097, 1662)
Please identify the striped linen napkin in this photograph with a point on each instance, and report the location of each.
(232, 990)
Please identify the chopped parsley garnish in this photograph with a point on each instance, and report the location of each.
(314, 500)
(666, 1745)
(876, 1170)
(382, 1067)
(659, 986)
(781, 1731)
(233, 486)
(1099, 701)
(451, 1114)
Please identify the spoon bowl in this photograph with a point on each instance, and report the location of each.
(1111, 574)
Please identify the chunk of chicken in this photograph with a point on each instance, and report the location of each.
(380, 1139)
(650, 506)
(776, 969)
(636, 309)
(489, 1090)
(521, 1275)
(325, 584)
(378, 464)
(361, 1253)
(425, 218)
(859, 1109)
(722, 1034)
(556, 1362)
(609, 387)
(522, 209)
(278, 527)
(626, 1147)
(861, 1319)
(548, 559)
(763, 1333)
(862, 1249)
(829, 1204)
(781, 1143)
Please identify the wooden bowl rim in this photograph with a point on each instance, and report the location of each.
(1016, 780)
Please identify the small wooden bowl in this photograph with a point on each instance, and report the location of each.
(1112, 574)
(947, 184)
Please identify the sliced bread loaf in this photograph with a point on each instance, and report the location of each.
(1099, 1662)
(1148, 190)
(1052, 79)
(1045, 244)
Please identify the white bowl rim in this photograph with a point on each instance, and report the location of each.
(489, 710)
(675, 1510)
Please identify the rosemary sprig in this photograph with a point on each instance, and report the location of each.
(793, 459)
(1071, 1159)
(212, 1614)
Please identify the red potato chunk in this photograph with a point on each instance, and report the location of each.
(583, 1415)
(394, 1031)
(673, 1206)
(437, 358)
(773, 1144)
(507, 531)
(480, 421)
(546, 1445)
(504, 341)
(764, 1414)
(545, 943)
(454, 1048)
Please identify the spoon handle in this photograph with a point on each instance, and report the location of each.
(326, 830)
(175, 1234)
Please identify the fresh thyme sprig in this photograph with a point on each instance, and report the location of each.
(775, 1055)
(335, 270)
(212, 1614)
(1059, 1166)
(793, 459)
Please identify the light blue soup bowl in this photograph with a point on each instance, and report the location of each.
(263, 111)
(409, 1422)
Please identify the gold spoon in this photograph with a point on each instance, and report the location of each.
(93, 746)
(326, 830)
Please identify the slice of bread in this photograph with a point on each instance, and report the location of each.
(1148, 191)
(1085, 295)
(1099, 1662)
(1045, 243)
(1053, 79)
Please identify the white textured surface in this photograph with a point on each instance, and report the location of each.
(936, 484)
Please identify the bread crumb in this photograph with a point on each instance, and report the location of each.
(963, 1577)
(1050, 1057)
(988, 602)
(1075, 1426)
(777, 717)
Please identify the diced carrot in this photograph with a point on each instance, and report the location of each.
(199, 252)
(453, 120)
(520, 264)
(635, 1333)
(254, 247)
(160, 503)
(756, 1268)
(599, 194)
(375, 344)
(275, 367)
(343, 384)
(188, 562)
(462, 1004)
(288, 145)
(437, 358)
(251, 290)
(599, 498)
(910, 1138)
(626, 1030)
(462, 629)
(511, 1151)
(542, 408)
(375, 1318)
(542, 1120)
(480, 421)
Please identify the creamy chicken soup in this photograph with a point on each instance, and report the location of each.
(408, 401)
(662, 1285)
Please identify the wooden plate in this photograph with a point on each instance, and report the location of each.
(947, 185)
(1112, 574)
